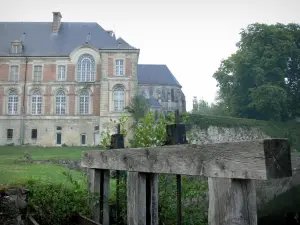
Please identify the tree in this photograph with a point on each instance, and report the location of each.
(262, 79)
(203, 107)
(138, 107)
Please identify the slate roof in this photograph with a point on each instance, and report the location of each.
(153, 102)
(156, 75)
(38, 39)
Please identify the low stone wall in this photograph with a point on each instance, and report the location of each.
(13, 203)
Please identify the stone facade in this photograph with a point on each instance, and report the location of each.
(71, 125)
(170, 97)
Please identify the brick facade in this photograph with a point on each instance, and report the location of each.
(49, 72)
(4, 72)
(72, 101)
(48, 101)
(71, 72)
(128, 66)
(96, 101)
(110, 67)
(1, 100)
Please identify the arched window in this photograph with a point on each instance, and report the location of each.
(60, 103)
(12, 103)
(86, 68)
(172, 96)
(119, 99)
(84, 99)
(36, 103)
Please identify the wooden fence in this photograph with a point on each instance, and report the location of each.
(231, 169)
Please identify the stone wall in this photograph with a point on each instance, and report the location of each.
(13, 203)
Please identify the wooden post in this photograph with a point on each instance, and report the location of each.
(232, 202)
(137, 200)
(99, 184)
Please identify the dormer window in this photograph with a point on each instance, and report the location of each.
(16, 47)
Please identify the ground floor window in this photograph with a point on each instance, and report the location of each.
(34, 134)
(83, 139)
(10, 134)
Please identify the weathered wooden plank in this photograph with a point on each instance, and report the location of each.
(154, 198)
(136, 198)
(258, 159)
(99, 185)
(232, 202)
(104, 196)
(94, 189)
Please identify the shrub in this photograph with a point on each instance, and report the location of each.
(56, 204)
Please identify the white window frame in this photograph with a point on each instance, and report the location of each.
(37, 105)
(14, 77)
(12, 102)
(84, 102)
(33, 73)
(86, 68)
(60, 103)
(60, 76)
(120, 67)
(118, 99)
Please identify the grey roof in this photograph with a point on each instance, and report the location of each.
(123, 44)
(38, 39)
(153, 102)
(156, 75)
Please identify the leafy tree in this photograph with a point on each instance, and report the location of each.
(203, 107)
(138, 107)
(264, 69)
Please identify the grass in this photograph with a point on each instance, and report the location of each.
(12, 171)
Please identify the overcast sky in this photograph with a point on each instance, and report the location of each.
(191, 37)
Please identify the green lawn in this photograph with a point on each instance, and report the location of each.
(12, 170)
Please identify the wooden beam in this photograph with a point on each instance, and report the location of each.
(99, 185)
(142, 201)
(232, 201)
(136, 198)
(258, 159)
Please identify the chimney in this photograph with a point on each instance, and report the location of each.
(56, 22)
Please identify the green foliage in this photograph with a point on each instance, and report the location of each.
(56, 204)
(138, 107)
(151, 132)
(194, 189)
(203, 107)
(111, 127)
(265, 68)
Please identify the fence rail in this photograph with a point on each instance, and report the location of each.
(231, 169)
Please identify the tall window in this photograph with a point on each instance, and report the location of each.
(37, 73)
(84, 102)
(172, 95)
(14, 73)
(163, 94)
(60, 103)
(61, 76)
(119, 99)
(86, 68)
(13, 100)
(36, 103)
(119, 67)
